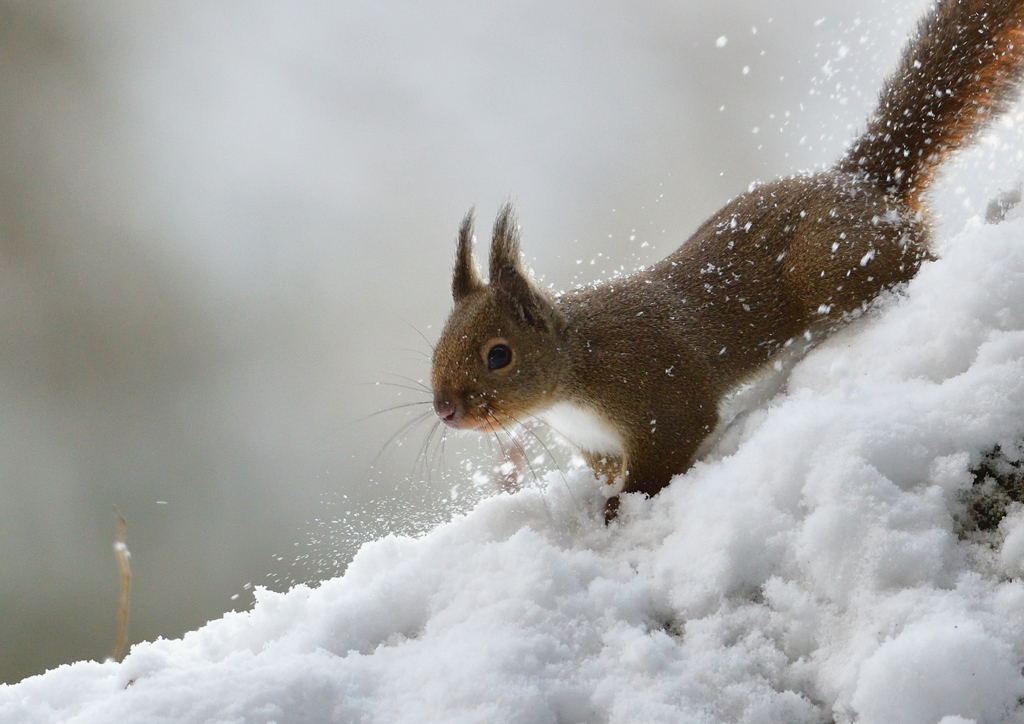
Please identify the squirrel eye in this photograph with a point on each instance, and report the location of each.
(499, 356)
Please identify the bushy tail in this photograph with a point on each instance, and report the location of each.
(961, 69)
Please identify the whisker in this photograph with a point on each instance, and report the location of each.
(423, 452)
(539, 439)
(402, 429)
(428, 459)
(396, 407)
(519, 447)
(419, 390)
(554, 460)
(444, 438)
(504, 454)
(490, 445)
(419, 352)
(526, 458)
(417, 331)
(418, 383)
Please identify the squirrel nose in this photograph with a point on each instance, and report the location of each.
(445, 410)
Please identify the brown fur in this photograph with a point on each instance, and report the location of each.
(653, 355)
(961, 69)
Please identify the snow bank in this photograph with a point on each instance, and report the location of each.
(811, 571)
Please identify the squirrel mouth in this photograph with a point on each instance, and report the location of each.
(478, 418)
(487, 422)
(484, 423)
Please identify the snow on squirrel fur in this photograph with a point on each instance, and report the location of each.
(814, 568)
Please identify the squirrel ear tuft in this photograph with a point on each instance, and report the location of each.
(511, 282)
(465, 279)
(505, 262)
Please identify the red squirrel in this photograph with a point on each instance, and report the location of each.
(634, 371)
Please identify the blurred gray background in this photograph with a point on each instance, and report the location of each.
(222, 222)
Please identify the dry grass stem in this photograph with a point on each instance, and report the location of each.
(123, 554)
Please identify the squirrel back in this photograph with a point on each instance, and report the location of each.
(635, 370)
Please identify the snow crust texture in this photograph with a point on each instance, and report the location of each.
(815, 569)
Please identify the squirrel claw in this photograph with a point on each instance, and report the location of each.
(611, 509)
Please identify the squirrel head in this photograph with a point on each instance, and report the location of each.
(498, 357)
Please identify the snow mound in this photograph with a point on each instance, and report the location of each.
(817, 569)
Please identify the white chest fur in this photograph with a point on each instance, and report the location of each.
(584, 428)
